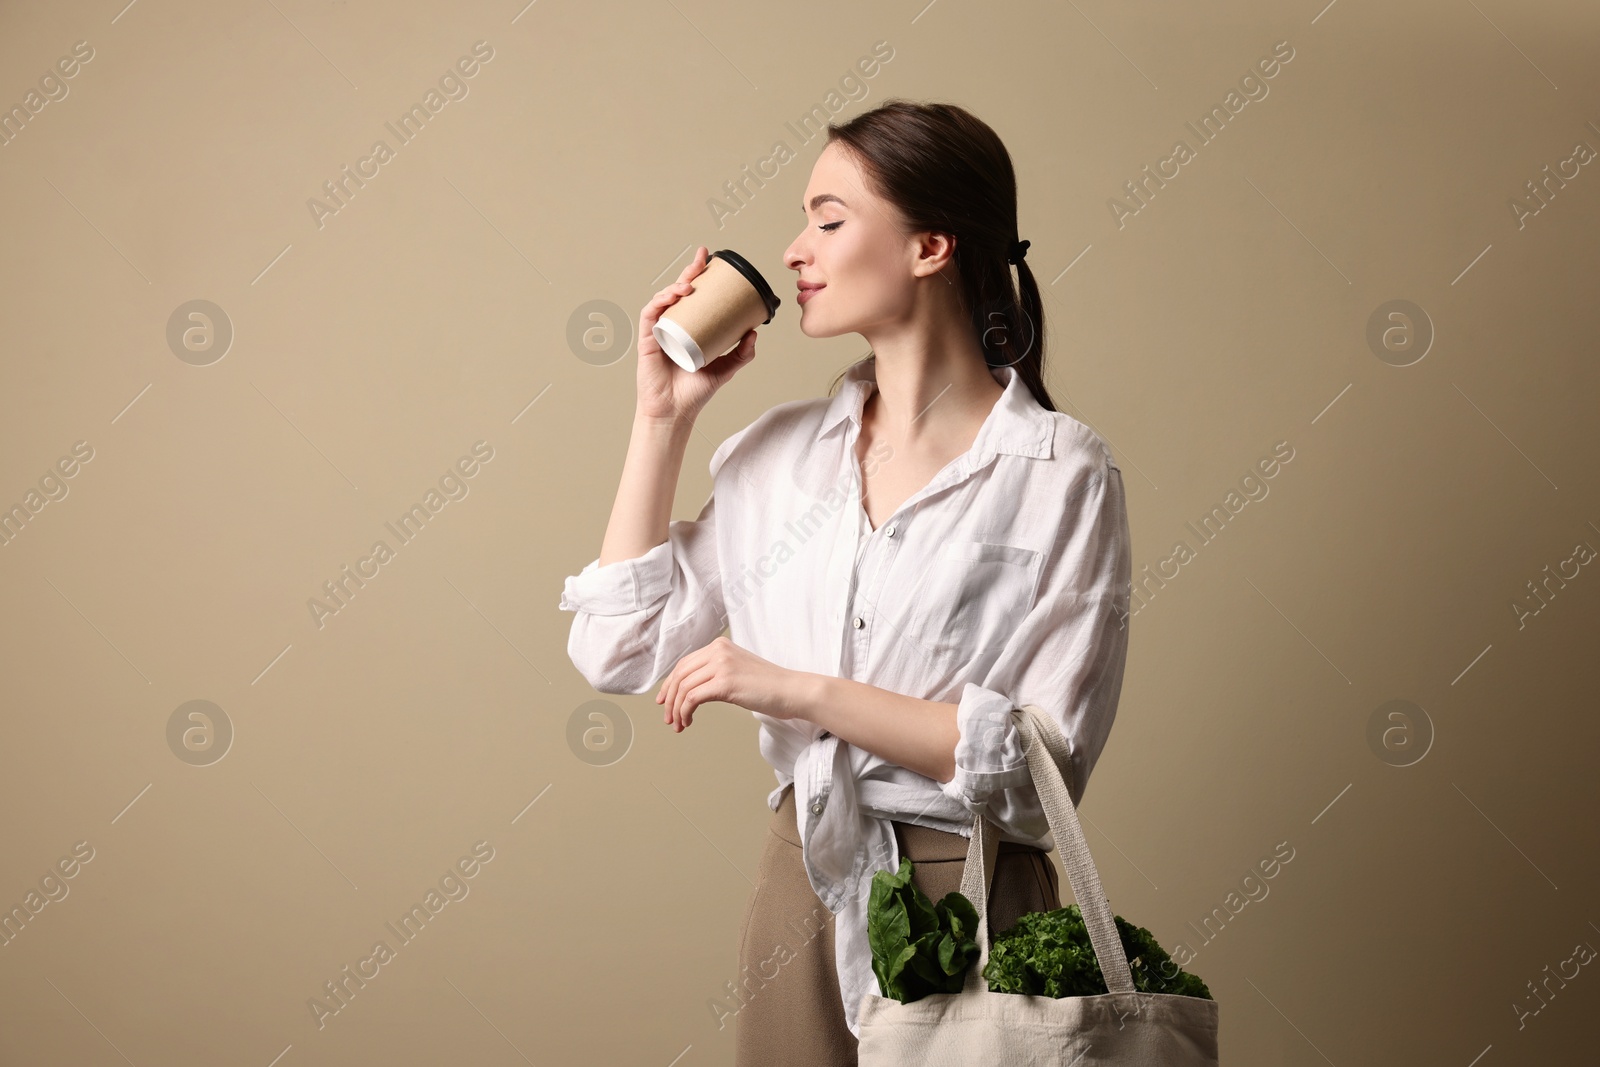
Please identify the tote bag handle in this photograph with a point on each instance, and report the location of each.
(1047, 753)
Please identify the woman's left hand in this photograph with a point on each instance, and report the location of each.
(724, 671)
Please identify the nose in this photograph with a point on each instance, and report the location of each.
(796, 255)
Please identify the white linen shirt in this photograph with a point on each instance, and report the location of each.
(1004, 581)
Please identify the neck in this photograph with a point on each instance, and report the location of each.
(933, 383)
(936, 398)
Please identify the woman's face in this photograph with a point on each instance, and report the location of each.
(855, 247)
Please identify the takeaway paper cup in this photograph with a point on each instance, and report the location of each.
(730, 297)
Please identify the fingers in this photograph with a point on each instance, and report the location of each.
(669, 295)
(668, 697)
(723, 367)
(664, 698)
(675, 704)
(687, 704)
(685, 700)
(696, 265)
(674, 292)
(659, 303)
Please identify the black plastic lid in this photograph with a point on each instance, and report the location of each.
(753, 276)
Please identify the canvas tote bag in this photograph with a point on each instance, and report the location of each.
(975, 1027)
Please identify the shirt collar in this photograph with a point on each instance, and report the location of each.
(1018, 425)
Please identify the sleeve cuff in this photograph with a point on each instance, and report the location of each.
(622, 586)
(989, 754)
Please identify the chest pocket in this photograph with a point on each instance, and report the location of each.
(972, 597)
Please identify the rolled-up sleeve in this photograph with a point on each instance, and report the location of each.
(635, 618)
(1067, 656)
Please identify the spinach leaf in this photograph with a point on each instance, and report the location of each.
(918, 947)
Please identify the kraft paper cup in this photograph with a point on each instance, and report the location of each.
(730, 297)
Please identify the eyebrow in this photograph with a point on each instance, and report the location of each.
(820, 199)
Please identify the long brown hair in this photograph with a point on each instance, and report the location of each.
(946, 171)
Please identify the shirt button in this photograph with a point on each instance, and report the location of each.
(889, 530)
(858, 624)
(816, 809)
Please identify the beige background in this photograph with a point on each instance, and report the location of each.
(432, 311)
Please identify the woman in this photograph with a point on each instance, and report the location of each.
(900, 564)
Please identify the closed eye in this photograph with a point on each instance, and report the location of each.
(831, 226)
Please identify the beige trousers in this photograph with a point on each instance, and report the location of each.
(791, 1013)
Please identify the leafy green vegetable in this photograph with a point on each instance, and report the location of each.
(918, 947)
(1049, 954)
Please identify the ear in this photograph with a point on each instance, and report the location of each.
(932, 252)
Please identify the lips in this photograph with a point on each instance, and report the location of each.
(807, 290)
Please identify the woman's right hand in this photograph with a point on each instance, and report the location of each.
(666, 390)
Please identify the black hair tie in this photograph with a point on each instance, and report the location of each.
(1017, 252)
